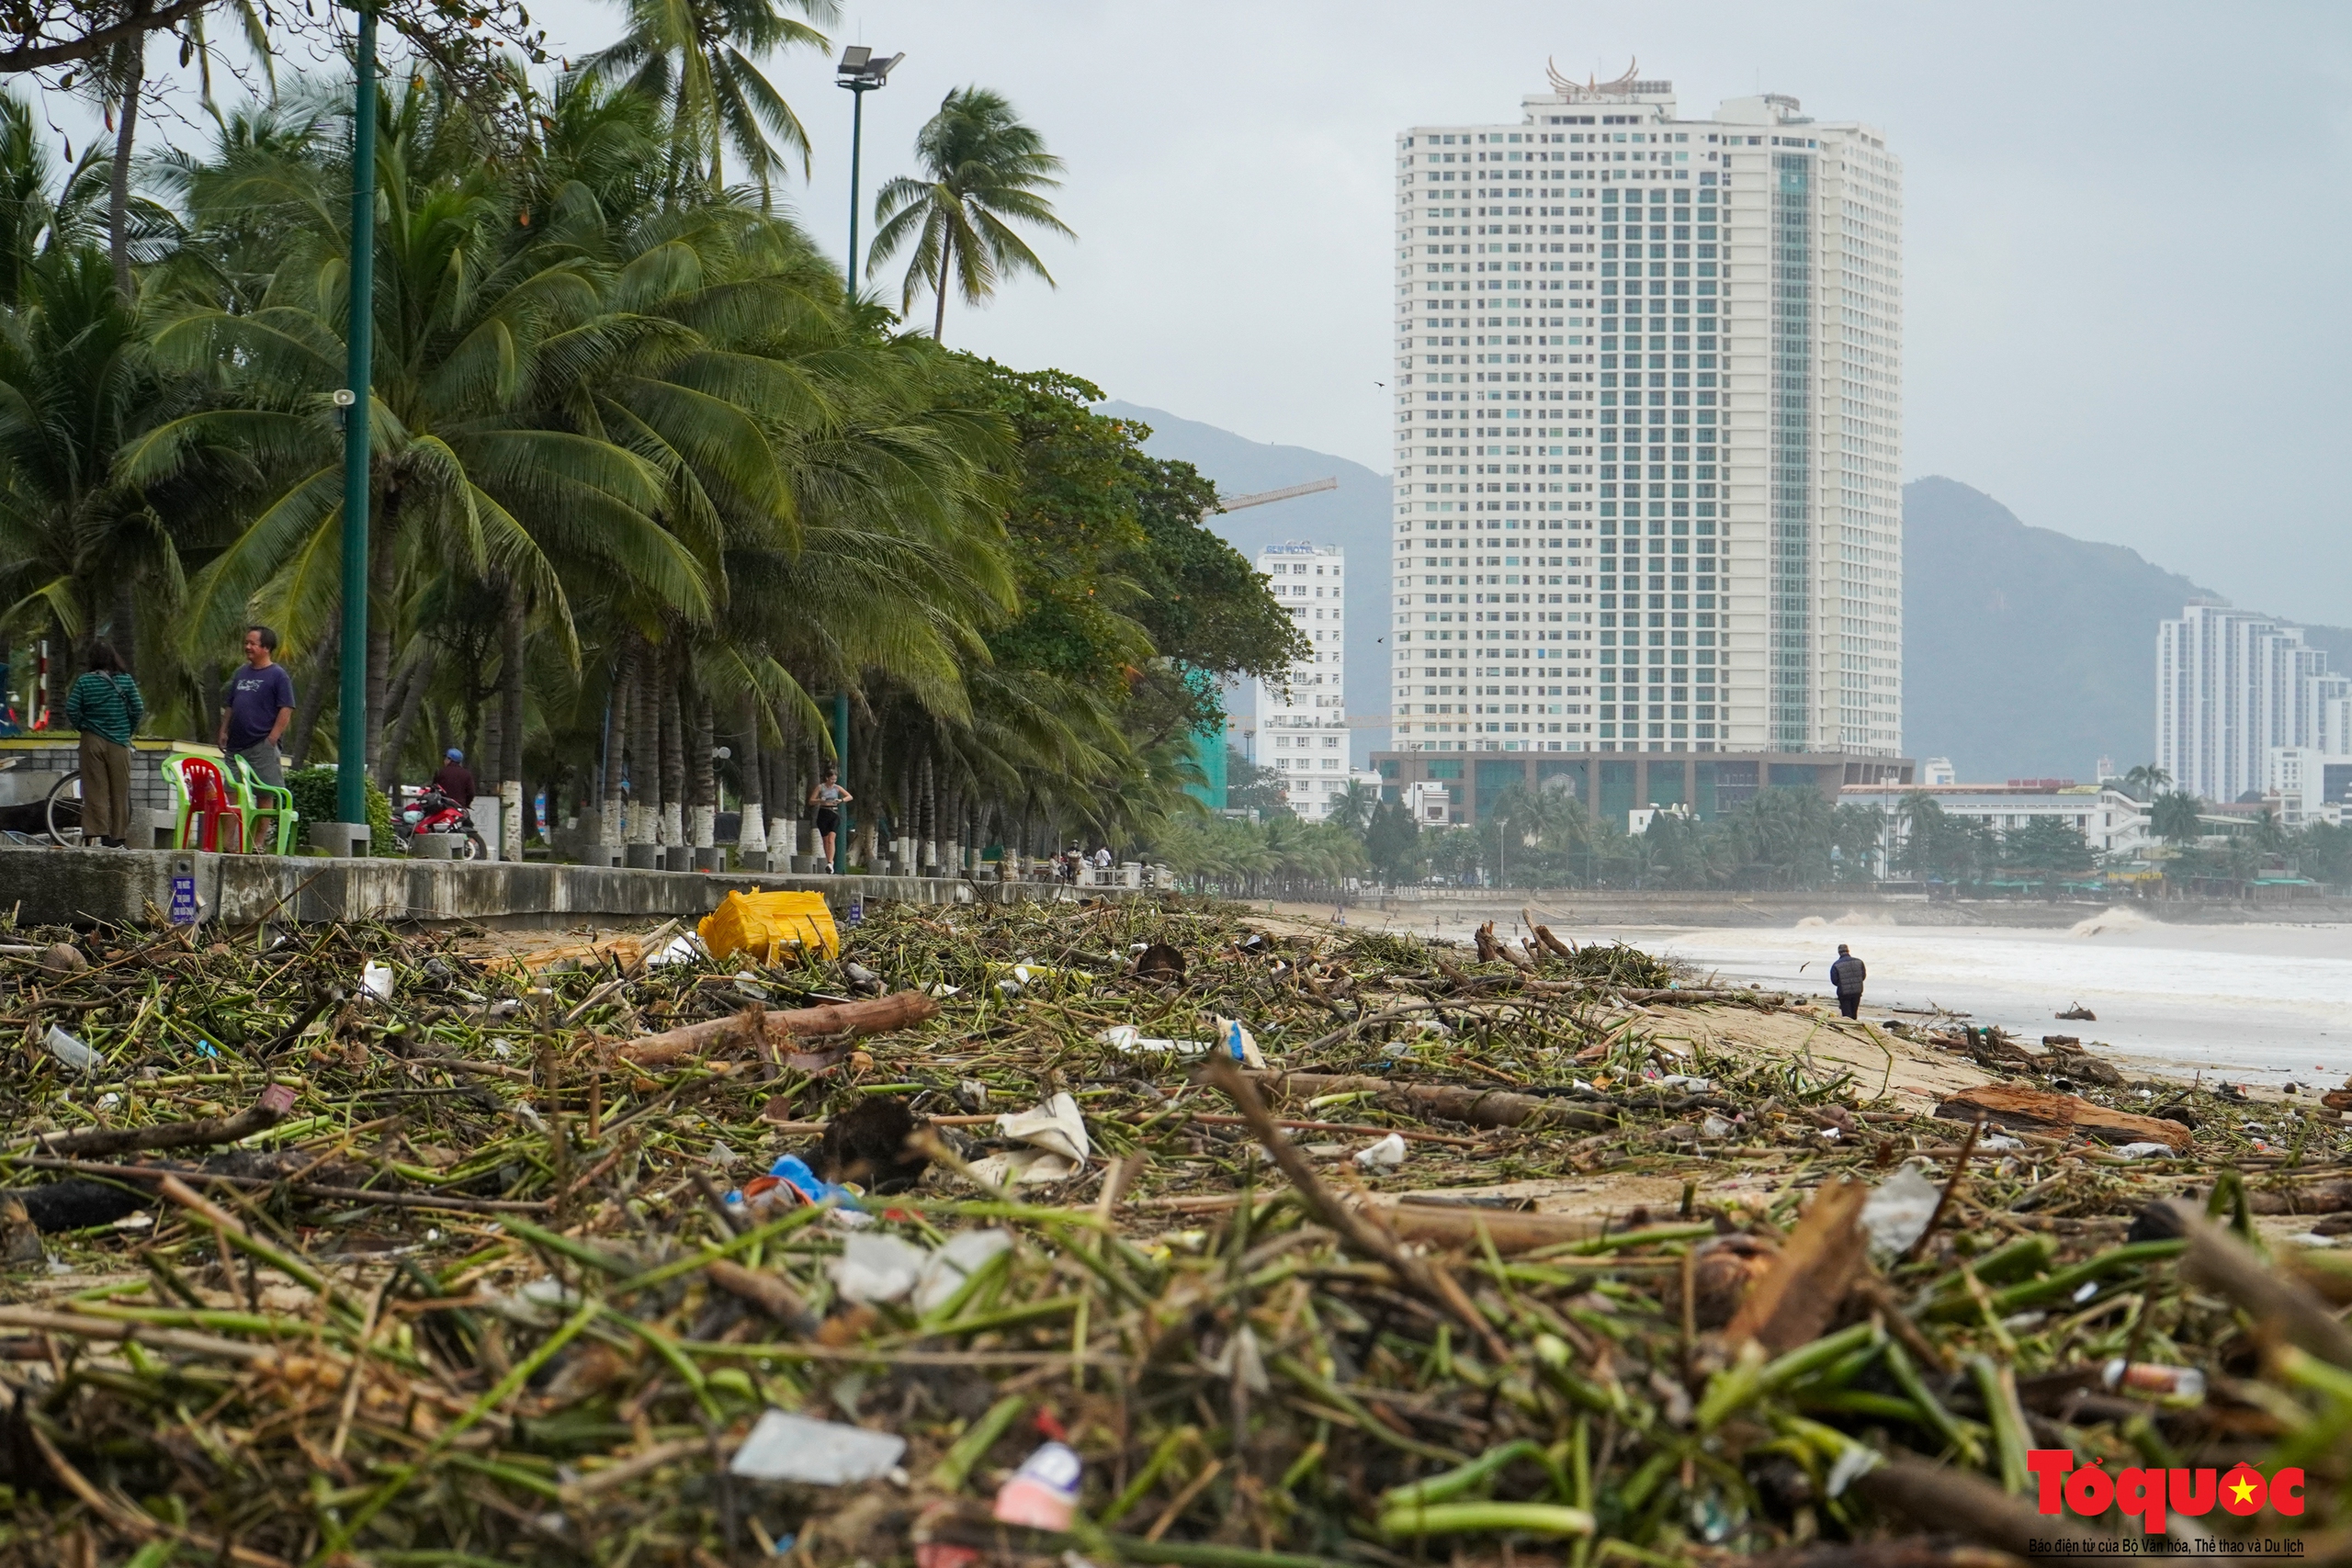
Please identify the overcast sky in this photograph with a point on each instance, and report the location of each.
(2125, 239)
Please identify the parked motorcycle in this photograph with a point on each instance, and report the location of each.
(430, 811)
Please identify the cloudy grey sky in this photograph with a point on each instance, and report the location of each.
(2125, 242)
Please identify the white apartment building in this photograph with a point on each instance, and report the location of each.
(1648, 430)
(2111, 821)
(1303, 720)
(2233, 690)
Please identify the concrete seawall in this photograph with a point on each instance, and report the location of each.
(58, 887)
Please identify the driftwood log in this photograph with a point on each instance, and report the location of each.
(2041, 1110)
(257, 1118)
(900, 1009)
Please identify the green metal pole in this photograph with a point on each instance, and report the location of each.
(856, 137)
(351, 727)
(841, 699)
(841, 760)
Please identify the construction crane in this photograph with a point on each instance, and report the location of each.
(1236, 503)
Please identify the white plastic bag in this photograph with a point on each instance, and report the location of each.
(945, 1272)
(376, 979)
(876, 1267)
(1896, 1214)
(71, 1051)
(1386, 1155)
(817, 1453)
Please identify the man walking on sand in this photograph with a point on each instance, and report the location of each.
(256, 706)
(1848, 974)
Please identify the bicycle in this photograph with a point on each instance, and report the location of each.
(61, 812)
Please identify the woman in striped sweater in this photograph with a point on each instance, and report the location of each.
(104, 704)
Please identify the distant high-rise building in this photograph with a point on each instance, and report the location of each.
(1303, 718)
(2231, 688)
(1648, 433)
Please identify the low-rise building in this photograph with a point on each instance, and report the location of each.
(2111, 821)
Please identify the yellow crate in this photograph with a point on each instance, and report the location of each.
(764, 923)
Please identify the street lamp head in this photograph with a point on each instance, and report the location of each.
(860, 72)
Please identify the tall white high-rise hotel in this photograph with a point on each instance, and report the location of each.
(1648, 430)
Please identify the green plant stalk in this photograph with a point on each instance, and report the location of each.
(2010, 1260)
(1750, 1378)
(1163, 1454)
(759, 1236)
(1447, 1485)
(338, 1540)
(948, 1474)
(1338, 1399)
(1998, 1388)
(1947, 1426)
(1455, 1518)
(679, 1362)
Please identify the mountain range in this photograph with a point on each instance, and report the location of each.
(2026, 652)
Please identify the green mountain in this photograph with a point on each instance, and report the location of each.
(2027, 653)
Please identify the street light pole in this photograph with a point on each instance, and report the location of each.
(351, 723)
(859, 74)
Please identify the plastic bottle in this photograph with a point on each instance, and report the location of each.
(1043, 1494)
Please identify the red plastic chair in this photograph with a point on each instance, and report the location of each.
(209, 817)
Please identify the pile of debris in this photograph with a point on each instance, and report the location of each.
(1124, 1229)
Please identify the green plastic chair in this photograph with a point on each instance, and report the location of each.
(206, 813)
(267, 804)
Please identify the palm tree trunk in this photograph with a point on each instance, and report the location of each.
(751, 766)
(509, 761)
(131, 71)
(316, 680)
(644, 746)
(617, 729)
(673, 751)
(382, 586)
(124, 626)
(418, 676)
(947, 270)
(702, 776)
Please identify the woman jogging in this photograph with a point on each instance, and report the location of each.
(827, 796)
(105, 706)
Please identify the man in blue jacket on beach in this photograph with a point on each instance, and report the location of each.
(1847, 976)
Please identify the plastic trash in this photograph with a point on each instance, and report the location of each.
(1043, 1494)
(1897, 1214)
(876, 1267)
(2145, 1151)
(71, 1051)
(856, 916)
(766, 924)
(2145, 1377)
(1129, 1041)
(1239, 1043)
(376, 979)
(680, 949)
(1684, 1080)
(817, 1453)
(1715, 1126)
(1386, 1155)
(945, 1272)
(1058, 1146)
(790, 1182)
(1997, 1143)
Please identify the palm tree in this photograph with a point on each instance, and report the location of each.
(696, 58)
(2144, 780)
(982, 166)
(1352, 807)
(2174, 817)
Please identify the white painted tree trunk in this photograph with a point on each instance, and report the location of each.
(609, 825)
(673, 830)
(705, 828)
(752, 836)
(510, 819)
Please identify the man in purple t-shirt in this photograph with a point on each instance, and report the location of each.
(256, 705)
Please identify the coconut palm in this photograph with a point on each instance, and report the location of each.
(1352, 807)
(2146, 780)
(698, 59)
(2174, 817)
(983, 171)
